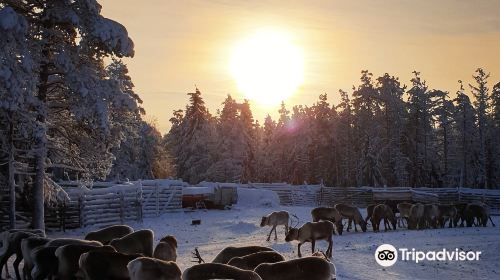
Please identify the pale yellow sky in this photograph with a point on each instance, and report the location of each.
(182, 43)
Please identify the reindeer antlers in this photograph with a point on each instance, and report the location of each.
(298, 221)
(196, 256)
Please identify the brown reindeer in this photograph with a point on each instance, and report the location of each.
(208, 271)
(431, 215)
(138, 242)
(275, 219)
(95, 265)
(28, 245)
(404, 212)
(446, 212)
(328, 214)
(250, 262)
(145, 268)
(416, 219)
(383, 212)
(107, 234)
(11, 244)
(166, 249)
(352, 213)
(69, 255)
(226, 254)
(477, 211)
(310, 268)
(310, 232)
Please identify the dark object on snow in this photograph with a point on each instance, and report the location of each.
(195, 222)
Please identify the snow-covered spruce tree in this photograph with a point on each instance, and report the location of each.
(494, 152)
(248, 127)
(69, 40)
(17, 85)
(190, 140)
(446, 147)
(367, 139)
(265, 151)
(322, 121)
(480, 92)
(394, 118)
(345, 132)
(227, 165)
(467, 135)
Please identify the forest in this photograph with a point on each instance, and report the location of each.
(383, 133)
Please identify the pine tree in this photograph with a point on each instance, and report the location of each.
(481, 104)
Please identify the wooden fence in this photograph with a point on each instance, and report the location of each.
(315, 195)
(117, 204)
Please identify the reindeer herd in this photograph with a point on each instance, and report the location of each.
(119, 252)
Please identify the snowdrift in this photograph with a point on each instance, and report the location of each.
(257, 198)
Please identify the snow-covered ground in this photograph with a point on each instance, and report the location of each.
(353, 253)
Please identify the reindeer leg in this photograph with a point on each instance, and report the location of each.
(492, 223)
(16, 263)
(330, 247)
(313, 244)
(275, 234)
(269, 236)
(355, 228)
(298, 249)
(349, 224)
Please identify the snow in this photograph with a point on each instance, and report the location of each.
(353, 253)
(114, 36)
(257, 198)
(197, 190)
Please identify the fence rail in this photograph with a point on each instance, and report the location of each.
(118, 203)
(316, 195)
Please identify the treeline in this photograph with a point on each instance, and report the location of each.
(381, 134)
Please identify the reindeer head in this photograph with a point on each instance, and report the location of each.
(293, 234)
(263, 222)
(362, 223)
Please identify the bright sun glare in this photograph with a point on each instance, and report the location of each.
(268, 67)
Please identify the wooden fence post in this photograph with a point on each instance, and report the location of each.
(157, 193)
(122, 207)
(81, 207)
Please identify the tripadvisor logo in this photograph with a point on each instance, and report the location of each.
(387, 255)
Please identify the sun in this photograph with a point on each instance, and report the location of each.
(267, 67)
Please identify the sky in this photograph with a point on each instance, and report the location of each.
(180, 44)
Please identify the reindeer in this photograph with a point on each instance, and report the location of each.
(11, 244)
(416, 219)
(166, 249)
(310, 232)
(275, 219)
(139, 242)
(404, 212)
(328, 214)
(460, 214)
(100, 265)
(226, 254)
(351, 213)
(44, 262)
(333, 269)
(107, 234)
(477, 211)
(250, 262)
(431, 215)
(69, 255)
(28, 245)
(311, 268)
(384, 212)
(145, 268)
(369, 212)
(208, 271)
(446, 212)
